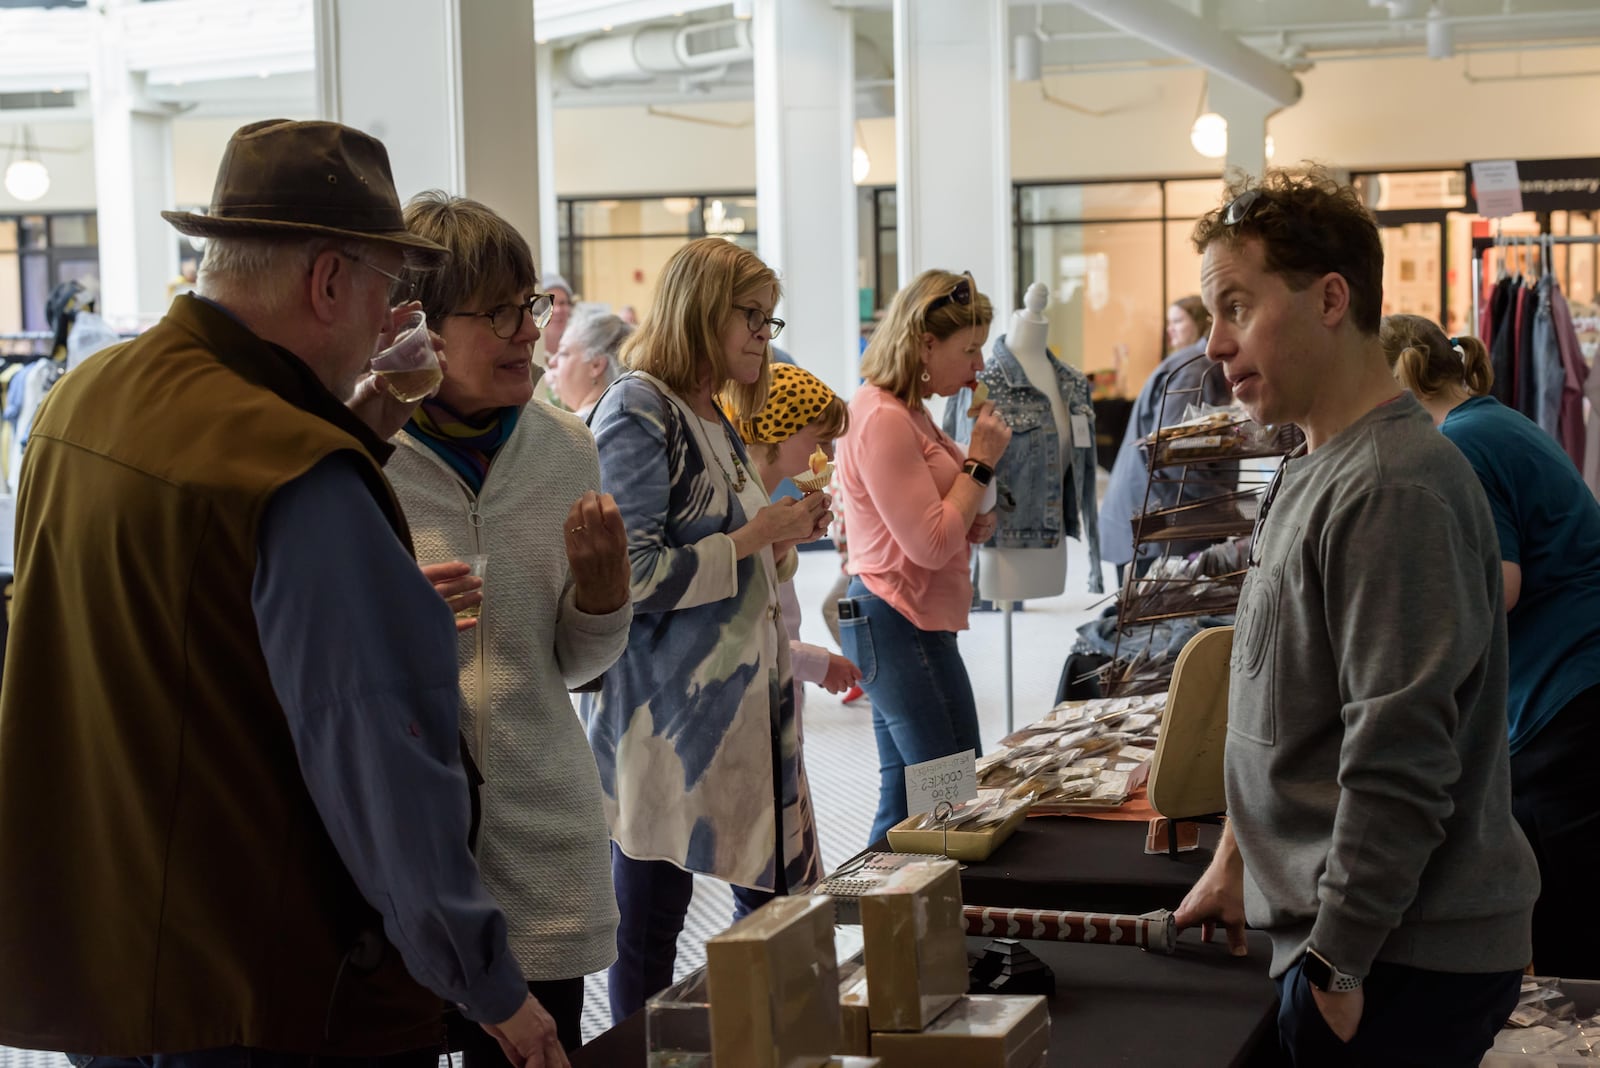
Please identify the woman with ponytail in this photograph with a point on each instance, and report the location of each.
(1549, 527)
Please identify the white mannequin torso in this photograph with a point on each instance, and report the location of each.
(1023, 574)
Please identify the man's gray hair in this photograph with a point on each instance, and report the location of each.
(600, 335)
(264, 268)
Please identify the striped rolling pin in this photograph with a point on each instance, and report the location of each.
(1153, 930)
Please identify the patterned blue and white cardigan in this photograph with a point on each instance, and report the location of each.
(683, 730)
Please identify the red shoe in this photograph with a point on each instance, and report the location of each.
(852, 695)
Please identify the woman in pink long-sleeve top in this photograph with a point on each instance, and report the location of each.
(911, 500)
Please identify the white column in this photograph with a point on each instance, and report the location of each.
(549, 250)
(448, 86)
(1246, 111)
(133, 182)
(952, 129)
(804, 121)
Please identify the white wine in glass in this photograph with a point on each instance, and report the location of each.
(413, 385)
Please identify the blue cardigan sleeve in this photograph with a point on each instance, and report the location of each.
(639, 455)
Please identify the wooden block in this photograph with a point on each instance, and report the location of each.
(916, 949)
(774, 986)
(978, 1031)
(855, 1026)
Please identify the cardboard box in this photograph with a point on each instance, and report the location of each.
(978, 1031)
(957, 845)
(916, 946)
(774, 987)
(855, 1026)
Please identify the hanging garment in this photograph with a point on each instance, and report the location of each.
(1575, 375)
(1548, 373)
(1493, 299)
(1522, 350)
(1503, 342)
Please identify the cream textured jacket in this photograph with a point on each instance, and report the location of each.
(543, 844)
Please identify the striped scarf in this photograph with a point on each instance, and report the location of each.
(467, 445)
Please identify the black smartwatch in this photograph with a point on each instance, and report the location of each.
(1321, 973)
(980, 472)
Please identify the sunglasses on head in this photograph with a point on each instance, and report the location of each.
(1238, 209)
(961, 294)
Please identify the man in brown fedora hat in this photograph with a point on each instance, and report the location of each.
(233, 814)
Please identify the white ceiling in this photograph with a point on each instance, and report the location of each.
(272, 39)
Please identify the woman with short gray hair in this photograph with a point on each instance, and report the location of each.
(587, 363)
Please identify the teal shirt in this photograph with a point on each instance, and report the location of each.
(1549, 525)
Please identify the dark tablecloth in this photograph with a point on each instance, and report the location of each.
(1083, 865)
(1113, 1006)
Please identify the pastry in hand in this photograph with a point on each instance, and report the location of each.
(980, 397)
(820, 475)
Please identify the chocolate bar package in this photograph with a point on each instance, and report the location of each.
(916, 949)
(978, 1031)
(774, 986)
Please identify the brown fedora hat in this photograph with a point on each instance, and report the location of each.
(284, 177)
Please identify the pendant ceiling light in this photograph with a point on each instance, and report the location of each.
(1209, 132)
(27, 178)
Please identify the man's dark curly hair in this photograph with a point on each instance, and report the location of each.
(1309, 225)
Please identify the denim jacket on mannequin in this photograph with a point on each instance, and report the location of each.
(1047, 500)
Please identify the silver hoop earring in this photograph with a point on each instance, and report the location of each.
(925, 375)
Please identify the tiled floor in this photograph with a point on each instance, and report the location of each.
(840, 751)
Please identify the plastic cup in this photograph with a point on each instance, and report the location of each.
(409, 367)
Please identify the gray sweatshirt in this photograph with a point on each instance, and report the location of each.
(1367, 770)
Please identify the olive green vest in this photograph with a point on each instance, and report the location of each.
(165, 882)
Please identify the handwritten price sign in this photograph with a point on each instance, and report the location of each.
(953, 778)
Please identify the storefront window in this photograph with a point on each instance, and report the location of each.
(1106, 305)
(1101, 200)
(1114, 255)
(38, 252)
(613, 250)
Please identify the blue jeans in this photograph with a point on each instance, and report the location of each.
(653, 899)
(1410, 1016)
(922, 705)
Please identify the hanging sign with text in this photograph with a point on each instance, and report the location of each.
(953, 778)
(1542, 185)
(1494, 184)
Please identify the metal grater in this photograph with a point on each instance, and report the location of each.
(866, 872)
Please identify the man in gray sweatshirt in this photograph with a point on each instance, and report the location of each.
(1368, 782)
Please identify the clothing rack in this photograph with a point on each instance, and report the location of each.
(26, 346)
(1544, 242)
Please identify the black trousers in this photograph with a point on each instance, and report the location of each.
(1412, 1017)
(1555, 795)
(561, 998)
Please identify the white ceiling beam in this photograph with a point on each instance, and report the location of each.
(1175, 30)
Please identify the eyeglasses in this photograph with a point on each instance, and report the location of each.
(401, 291)
(755, 319)
(506, 319)
(961, 294)
(1238, 208)
(1261, 511)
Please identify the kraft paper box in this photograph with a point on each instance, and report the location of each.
(978, 1031)
(855, 1029)
(916, 945)
(774, 986)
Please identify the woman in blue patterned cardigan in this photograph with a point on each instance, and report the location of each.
(694, 728)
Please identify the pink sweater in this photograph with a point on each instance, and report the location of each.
(906, 542)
